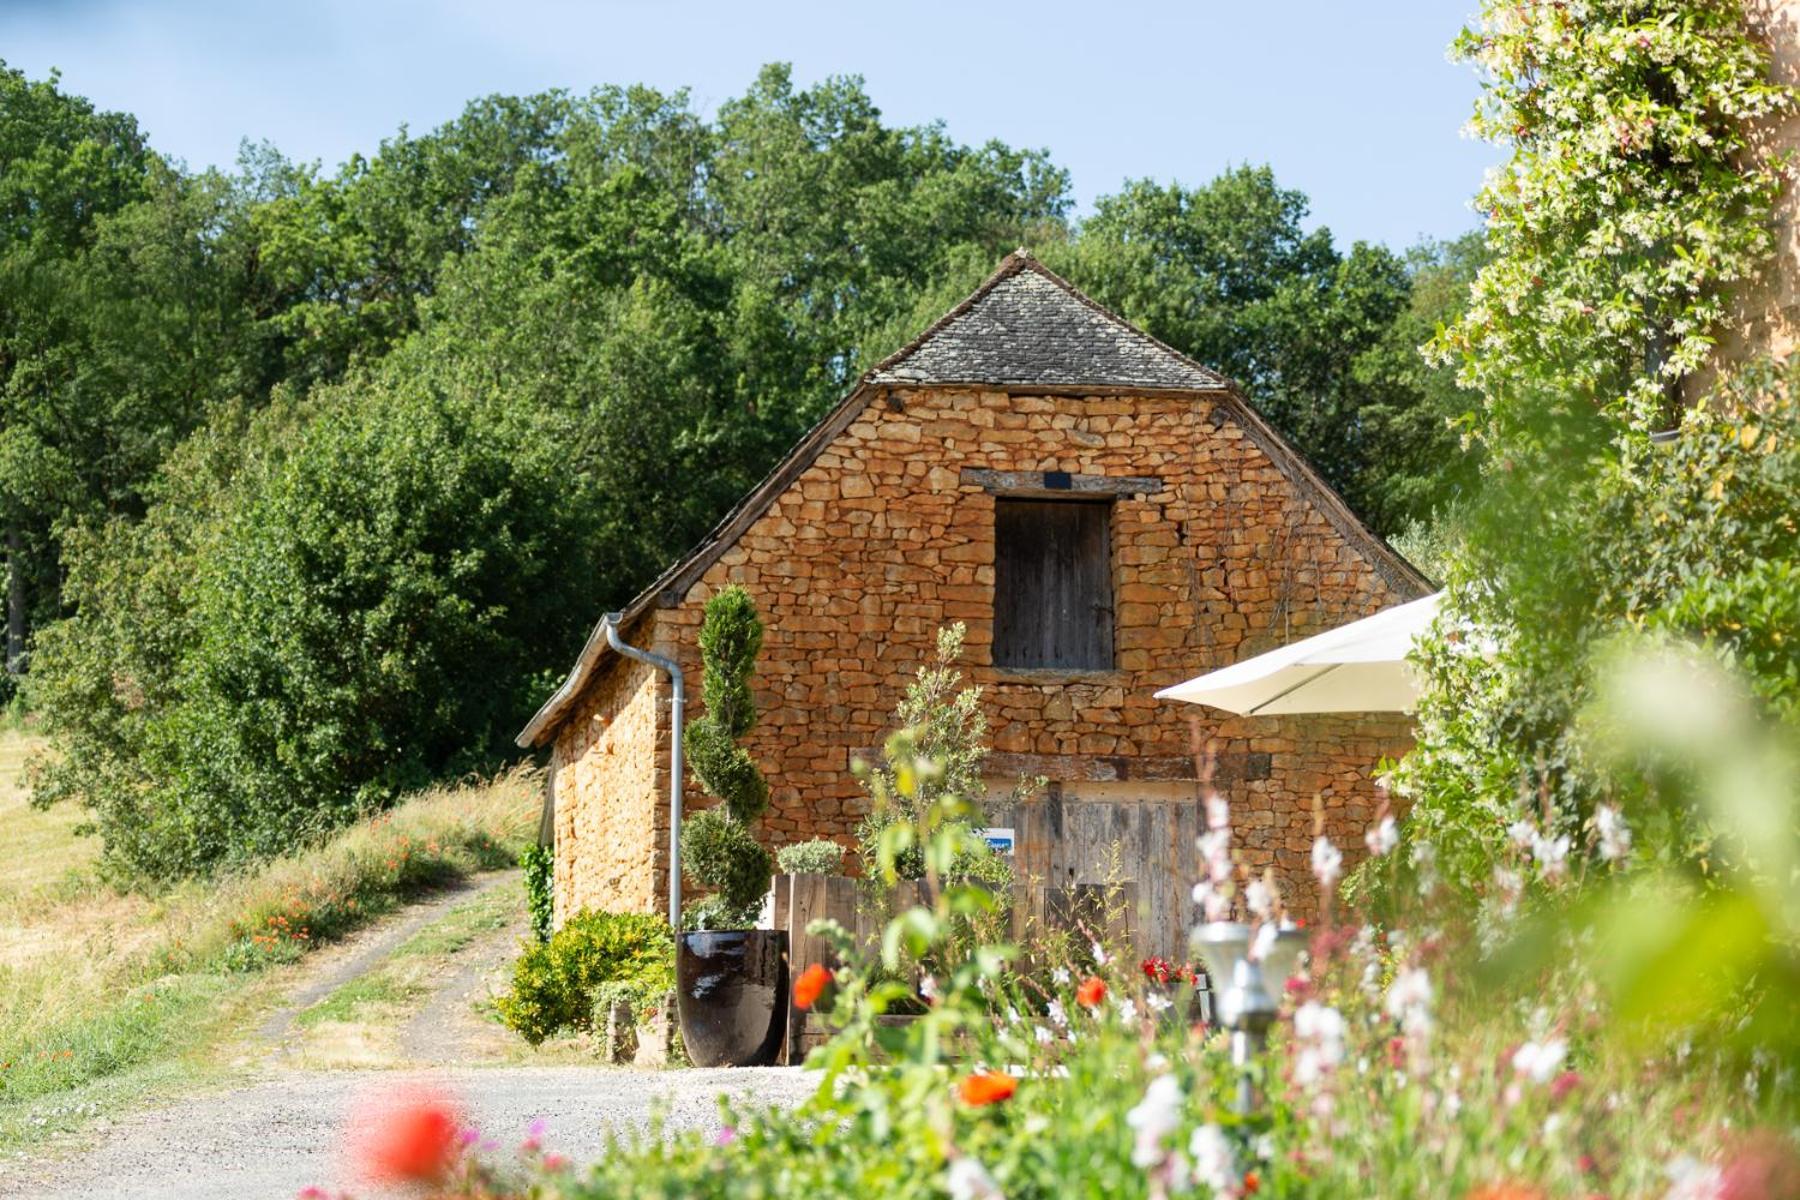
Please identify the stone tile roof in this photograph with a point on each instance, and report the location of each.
(1028, 326)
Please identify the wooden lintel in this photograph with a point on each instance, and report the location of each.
(1114, 768)
(1228, 769)
(1059, 483)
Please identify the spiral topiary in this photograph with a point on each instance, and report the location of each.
(718, 850)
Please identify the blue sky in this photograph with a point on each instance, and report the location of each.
(1352, 101)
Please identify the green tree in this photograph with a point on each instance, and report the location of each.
(1611, 264)
(63, 165)
(367, 603)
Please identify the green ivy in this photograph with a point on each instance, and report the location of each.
(539, 864)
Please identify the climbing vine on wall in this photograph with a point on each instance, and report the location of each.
(1635, 198)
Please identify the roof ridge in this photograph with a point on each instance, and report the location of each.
(1114, 369)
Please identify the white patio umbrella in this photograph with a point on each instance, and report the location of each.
(1359, 667)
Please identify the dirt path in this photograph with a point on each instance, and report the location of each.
(402, 1001)
(356, 956)
(449, 1028)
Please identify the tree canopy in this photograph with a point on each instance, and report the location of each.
(254, 425)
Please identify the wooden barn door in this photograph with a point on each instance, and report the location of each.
(1067, 848)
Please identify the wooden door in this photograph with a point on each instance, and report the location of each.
(1053, 605)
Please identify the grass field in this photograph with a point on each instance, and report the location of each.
(41, 847)
(107, 997)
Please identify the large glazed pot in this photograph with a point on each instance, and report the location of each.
(731, 990)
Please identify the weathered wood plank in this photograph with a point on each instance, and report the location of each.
(1045, 484)
(1053, 605)
(1228, 769)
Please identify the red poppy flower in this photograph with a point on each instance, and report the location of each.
(409, 1138)
(811, 985)
(1091, 992)
(1506, 1191)
(986, 1087)
(1252, 1183)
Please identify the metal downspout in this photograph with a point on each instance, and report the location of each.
(677, 703)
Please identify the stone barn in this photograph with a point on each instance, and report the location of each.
(1106, 515)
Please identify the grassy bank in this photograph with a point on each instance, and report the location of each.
(104, 996)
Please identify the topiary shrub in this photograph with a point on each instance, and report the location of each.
(555, 984)
(821, 856)
(718, 851)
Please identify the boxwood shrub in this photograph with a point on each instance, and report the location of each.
(556, 983)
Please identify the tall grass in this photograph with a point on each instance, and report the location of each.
(141, 982)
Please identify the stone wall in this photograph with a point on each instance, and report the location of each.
(608, 788)
(881, 541)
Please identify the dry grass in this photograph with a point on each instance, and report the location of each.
(42, 850)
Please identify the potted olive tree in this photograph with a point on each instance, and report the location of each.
(731, 978)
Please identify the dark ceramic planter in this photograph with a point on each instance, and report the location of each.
(731, 990)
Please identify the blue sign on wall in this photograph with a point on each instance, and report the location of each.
(1000, 840)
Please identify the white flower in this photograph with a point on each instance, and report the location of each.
(1214, 1164)
(1263, 941)
(1156, 1116)
(1691, 1179)
(1319, 1033)
(1043, 1036)
(1214, 902)
(1320, 1022)
(1259, 897)
(1522, 833)
(1424, 860)
(1540, 1060)
(1409, 1002)
(1100, 959)
(1060, 975)
(1382, 837)
(969, 1180)
(1054, 1010)
(1613, 833)
(1158, 1002)
(1551, 854)
(1127, 1012)
(1327, 861)
(1218, 812)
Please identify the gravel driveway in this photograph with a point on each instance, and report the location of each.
(286, 1131)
